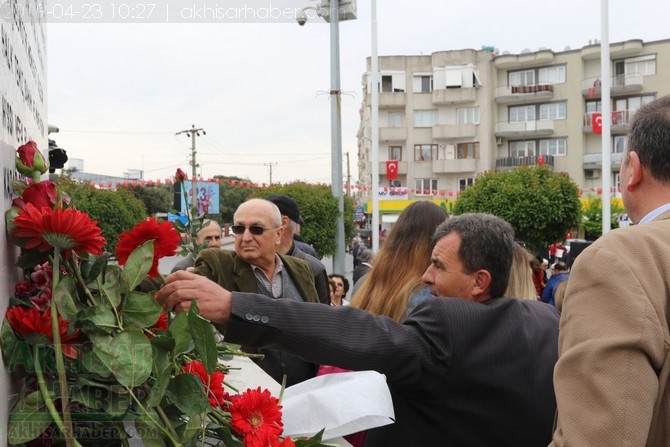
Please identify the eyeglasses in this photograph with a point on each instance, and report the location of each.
(256, 230)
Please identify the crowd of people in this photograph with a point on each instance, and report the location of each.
(482, 344)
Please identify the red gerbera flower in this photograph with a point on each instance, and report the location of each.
(31, 322)
(162, 323)
(256, 415)
(216, 394)
(166, 241)
(66, 229)
(287, 442)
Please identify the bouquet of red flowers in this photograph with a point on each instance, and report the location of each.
(96, 360)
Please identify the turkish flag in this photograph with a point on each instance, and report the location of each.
(597, 122)
(392, 169)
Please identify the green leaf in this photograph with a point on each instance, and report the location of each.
(113, 286)
(203, 337)
(94, 358)
(97, 266)
(162, 368)
(28, 419)
(148, 431)
(101, 319)
(8, 341)
(63, 293)
(193, 427)
(138, 264)
(181, 332)
(187, 392)
(140, 309)
(129, 357)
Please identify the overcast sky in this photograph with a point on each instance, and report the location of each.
(120, 91)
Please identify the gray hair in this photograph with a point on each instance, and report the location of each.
(487, 243)
(365, 255)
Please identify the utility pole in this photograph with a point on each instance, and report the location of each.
(193, 132)
(270, 165)
(348, 177)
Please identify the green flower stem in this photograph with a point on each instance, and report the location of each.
(87, 291)
(67, 430)
(48, 401)
(168, 429)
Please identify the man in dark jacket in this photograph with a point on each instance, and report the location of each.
(473, 370)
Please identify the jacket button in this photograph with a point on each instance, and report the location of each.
(249, 317)
(265, 319)
(257, 318)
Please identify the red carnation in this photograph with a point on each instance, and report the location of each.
(256, 415)
(166, 241)
(217, 394)
(24, 289)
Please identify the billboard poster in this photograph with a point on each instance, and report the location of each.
(207, 194)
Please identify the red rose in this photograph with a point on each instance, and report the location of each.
(179, 176)
(41, 194)
(24, 288)
(30, 161)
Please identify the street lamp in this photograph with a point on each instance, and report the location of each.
(333, 11)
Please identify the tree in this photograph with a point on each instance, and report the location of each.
(541, 205)
(156, 199)
(230, 196)
(115, 211)
(592, 219)
(319, 209)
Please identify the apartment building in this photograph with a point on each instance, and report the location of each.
(448, 116)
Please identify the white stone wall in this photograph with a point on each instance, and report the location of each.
(23, 117)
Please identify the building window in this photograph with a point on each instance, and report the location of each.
(425, 186)
(644, 65)
(519, 114)
(553, 111)
(393, 83)
(425, 152)
(619, 144)
(467, 151)
(552, 75)
(395, 183)
(558, 147)
(522, 148)
(395, 153)
(396, 119)
(425, 118)
(423, 83)
(469, 115)
(524, 77)
(465, 182)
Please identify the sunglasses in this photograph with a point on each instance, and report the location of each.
(256, 230)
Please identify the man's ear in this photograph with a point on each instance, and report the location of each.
(636, 170)
(481, 289)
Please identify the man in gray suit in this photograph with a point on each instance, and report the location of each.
(475, 370)
(612, 378)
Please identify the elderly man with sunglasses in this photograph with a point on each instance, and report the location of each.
(255, 266)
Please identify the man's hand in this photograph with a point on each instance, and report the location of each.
(182, 287)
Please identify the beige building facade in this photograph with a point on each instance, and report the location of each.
(451, 115)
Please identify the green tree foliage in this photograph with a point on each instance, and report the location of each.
(319, 209)
(116, 211)
(592, 217)
(542, 206)
(230, 196)
(156, 199)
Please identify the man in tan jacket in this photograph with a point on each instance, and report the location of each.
(611, 379)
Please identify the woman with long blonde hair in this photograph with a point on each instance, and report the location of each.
(401, 261)
(521, 283)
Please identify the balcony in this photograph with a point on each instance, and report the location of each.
(453, 131)
(620, 85)
(448, 96)
(595, 161)
(402, 168)
(525, 129)
(524, 60)
(456, 166)
(617, 50)
(510, 163)
(523, 93)
(392, 133)
(392, 100)
(620, 119)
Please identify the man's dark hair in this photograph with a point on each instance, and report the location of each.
(561, 266)
(649, 137)
(487, 243)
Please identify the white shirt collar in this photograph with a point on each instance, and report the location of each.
(655, 213)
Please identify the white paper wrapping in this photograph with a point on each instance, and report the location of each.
(342, 403)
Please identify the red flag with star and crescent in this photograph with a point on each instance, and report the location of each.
(597, 123)
(392, 169)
